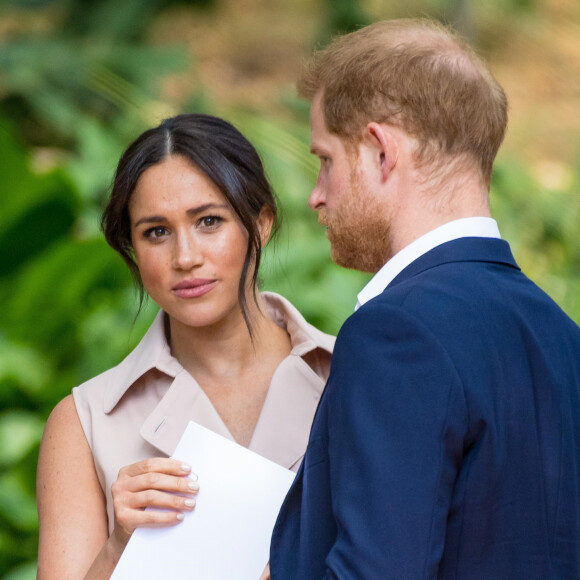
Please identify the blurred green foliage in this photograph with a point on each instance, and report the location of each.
(72, 97)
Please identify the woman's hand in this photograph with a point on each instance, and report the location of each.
(166, 485)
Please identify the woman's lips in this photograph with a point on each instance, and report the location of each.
(194, 288)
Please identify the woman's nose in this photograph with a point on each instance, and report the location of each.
(186, 253)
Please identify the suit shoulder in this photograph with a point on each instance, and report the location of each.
(384, 321)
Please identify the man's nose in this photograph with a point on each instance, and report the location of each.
(317, 198)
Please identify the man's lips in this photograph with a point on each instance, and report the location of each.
(194, 288)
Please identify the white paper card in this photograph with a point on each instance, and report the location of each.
(227, 535)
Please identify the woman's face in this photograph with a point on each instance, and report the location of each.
(189, 243)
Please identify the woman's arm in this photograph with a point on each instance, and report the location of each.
(71, 505)
(74, 542)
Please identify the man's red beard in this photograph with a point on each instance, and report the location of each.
(359, 236)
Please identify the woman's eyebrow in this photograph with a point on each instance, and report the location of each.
(207, 206)
(192, 211)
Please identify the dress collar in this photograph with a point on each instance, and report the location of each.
(153, 352)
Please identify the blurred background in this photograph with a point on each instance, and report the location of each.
(79, 79)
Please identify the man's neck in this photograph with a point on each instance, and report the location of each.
(480, 227)
(425, 208)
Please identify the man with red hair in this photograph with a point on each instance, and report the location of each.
(447, 442)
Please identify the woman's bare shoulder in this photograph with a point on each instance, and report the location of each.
(63, 442)
(63, 422)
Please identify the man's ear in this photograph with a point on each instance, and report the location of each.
(386, 146)
(265, 222)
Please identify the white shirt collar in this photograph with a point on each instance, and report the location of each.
(473, 227)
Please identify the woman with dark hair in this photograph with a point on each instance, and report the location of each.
(190, 211)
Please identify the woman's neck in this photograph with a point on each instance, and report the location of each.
(226, 349)
(233, 370)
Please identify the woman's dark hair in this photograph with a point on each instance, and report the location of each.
(220, 151)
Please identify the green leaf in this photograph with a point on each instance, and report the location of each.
(23, 365)
(45, 302)
(20, 431)
(16, 505)
(37, 228)
(23, 572)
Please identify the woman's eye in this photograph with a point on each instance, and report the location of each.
(156, 233)
(210, 221)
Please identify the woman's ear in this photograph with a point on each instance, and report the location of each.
(265, 222)
(386, 146)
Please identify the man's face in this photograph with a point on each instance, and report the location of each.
(355, 221)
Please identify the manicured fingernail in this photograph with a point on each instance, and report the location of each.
(179, 517)
(189, 502)
(185, 467)
(193, 485)
(193, 476)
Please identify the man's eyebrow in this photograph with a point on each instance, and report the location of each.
(192, 211)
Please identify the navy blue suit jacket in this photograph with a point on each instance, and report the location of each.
(447, 442)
